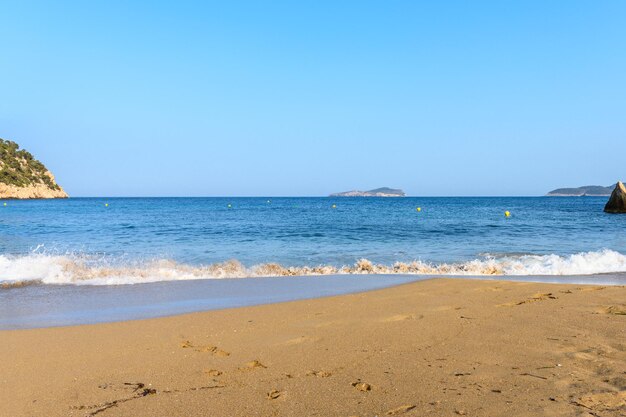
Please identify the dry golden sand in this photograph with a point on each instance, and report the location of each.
(441, 347)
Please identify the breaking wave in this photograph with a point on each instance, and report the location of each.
(18, 271)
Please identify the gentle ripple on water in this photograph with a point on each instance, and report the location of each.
(459, 234)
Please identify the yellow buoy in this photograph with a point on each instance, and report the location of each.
(507, 213)
(106, 204)
(334, 206)
(418, 209)
(5, 204)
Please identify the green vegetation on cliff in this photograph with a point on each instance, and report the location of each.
(19, 168)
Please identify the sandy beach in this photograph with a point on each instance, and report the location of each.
(441, 347)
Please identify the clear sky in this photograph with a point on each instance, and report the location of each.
(313, 97)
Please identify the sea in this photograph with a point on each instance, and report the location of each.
(89, 260)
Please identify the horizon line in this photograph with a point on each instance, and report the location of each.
(329, 196)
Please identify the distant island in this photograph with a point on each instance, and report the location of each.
(378, 192)
(587, 190)
(24, 177)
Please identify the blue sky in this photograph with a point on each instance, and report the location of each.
(308, 98)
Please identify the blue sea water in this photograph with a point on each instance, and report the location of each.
(72, 261)
(299, 232)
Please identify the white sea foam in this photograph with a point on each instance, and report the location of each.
(82, 270)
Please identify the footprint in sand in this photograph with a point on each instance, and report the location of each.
(543, 296)
(212, 372)
(321, 374)
(273, 394)
(214, 350)
(590, 288)
(253, 365)
(400, 410)
(534, 298)
(362, 386)
(618, 310)
(491, 289)
(597, 352)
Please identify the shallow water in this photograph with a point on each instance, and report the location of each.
(63, 305)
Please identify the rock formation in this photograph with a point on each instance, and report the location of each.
(617, 201)
(23, 177)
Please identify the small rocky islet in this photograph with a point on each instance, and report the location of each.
(617, 201)
(377, 192)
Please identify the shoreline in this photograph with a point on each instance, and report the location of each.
(442, 346)
(68, 305)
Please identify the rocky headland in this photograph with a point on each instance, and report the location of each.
(587, 190)
(24, 177)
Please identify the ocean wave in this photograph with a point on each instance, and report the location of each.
(19, 271)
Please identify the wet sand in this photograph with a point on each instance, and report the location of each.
(443, 347)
